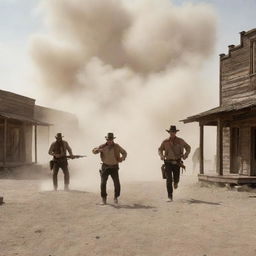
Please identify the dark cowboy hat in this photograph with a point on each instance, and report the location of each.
(172, 129)
(110, 136)
(59, 135)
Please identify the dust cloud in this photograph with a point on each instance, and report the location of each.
(128, 67)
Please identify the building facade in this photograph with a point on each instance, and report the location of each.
(24, 127)
(235, 117)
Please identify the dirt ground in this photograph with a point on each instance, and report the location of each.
(200, 221)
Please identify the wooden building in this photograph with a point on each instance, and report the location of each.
(17, 126)
(235, 117)
(24, 127)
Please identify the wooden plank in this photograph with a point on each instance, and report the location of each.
(35, 143)
(16, 97)
(5, 142)
(236, 74)
(230, 82)
(226, 150)
(230, 179)
(220, 148)
(23, 142)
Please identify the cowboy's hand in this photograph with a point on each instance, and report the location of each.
(72, 157)
(184, 157)
(122, 159)
(96, 150)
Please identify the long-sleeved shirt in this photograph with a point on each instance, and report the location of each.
(172, 149)
(110, 154)
(60, 148)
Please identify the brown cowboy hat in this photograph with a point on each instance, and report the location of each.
(172, 129)
(110, 136)
(59, 135)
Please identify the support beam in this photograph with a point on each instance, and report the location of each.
(220, 148)
(48, 136)
(201, 148)
(23, 143)
(5, 142)
(35, 143)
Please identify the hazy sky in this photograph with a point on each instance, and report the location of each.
(19, 19)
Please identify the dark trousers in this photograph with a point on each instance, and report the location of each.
(113, 172)
(64, 166)
(172, 175)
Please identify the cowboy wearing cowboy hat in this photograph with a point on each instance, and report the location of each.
(111, 155)
(58, 150)
(171, 151)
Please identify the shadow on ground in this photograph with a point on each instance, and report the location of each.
(134, 206)
(65, 191)
(195, 201)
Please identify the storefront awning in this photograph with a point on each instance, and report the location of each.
(220, 110)
(23, 119)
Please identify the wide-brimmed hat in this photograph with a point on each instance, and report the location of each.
(172, 129)
(59, 135)
(110, 136)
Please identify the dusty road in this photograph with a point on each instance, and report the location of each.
(201, 221)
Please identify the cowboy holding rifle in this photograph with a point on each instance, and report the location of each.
(58, 150)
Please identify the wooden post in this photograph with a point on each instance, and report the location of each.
(23, 139)
(201, 148)
(220, 148)
(35, 143)
(48, 136)
(5, 142)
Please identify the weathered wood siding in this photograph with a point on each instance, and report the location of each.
(245, 149)
(1, 140)
(16, 104)
(28, 143)
(226, 150)
(237, 83)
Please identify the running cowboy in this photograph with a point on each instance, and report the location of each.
(58, 150)
(111, 155)
(171, 151)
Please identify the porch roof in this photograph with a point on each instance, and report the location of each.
(220, 110)
(23, 118)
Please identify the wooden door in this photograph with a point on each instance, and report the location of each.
(14, 142)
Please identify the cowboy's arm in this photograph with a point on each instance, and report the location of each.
(69, 149)
(98, 149)
(161, 151)
(50, 151)
(123, 153)
(187, 150)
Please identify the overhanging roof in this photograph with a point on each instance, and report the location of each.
(23, 118)
(220, 110)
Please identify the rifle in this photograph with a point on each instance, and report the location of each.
(67, 157)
